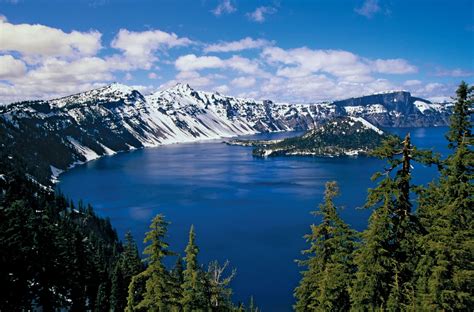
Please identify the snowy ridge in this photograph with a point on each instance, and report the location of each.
(117, 118)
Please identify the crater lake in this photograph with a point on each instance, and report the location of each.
(253, 212)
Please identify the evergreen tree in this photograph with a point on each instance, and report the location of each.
(387, 258)
(325, 284)
(156, 296)
(128, 265)
(119, 289)
(176, 283)
(194, 296)
(446, 270)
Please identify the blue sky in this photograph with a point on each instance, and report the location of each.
(297, 51)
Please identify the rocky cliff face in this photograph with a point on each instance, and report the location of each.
(59, 133)
(395, 109)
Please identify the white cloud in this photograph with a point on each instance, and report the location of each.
(433, 91)
(393, 66)
(301, 62)
(244, 82)
(457, 72)
(140, 48)
(225, 7)
(259, 15)
(10, 67)
(42, 61)
(191, 62)
(54, 72)
(233, 46)
(33, 41)
(243, 65)
(412, 82)
(223, 89)
(369, 8)
(152, 76)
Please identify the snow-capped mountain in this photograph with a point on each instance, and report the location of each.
(62, 132)
(395, 109)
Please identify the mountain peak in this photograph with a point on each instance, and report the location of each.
(181, 87)
(117, 87)
(111, 92)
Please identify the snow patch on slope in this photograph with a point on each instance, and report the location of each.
(367, 124)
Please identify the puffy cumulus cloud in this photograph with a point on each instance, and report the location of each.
(244, 65)
(393, 66)
(224, 7)
(433, 91)
(304, 61)
(239, 45)
(301, 62)
(139, 48)
(10, 67)
(39, 41)
(244, 82)
(368, 9)
(55, 71)
(44, 62)
(260, 13)
(191, 62)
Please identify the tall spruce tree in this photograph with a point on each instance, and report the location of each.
(387, 258)
(128, 265)
(194, 295)
(446, 269)
(156, 296)
(176, 283)
(325, 284)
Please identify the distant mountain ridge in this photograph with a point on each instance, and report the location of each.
(57, 134)
(395, 109)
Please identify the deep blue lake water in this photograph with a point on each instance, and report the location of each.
(253, 212)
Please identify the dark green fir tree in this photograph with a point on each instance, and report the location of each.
(324, 286)
(156, 295)
(387, 258)
(194, 295)
(446, 270)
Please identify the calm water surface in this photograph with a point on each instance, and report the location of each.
(253, 212)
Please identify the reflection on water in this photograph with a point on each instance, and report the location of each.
(251, 211)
